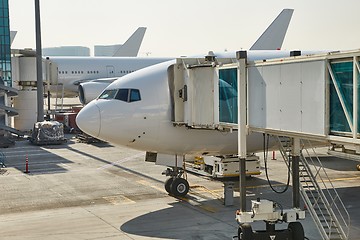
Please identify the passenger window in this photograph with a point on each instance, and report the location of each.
(135, 95)
(108, 94)
(122, 95)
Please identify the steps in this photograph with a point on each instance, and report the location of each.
(319, 195)
(7, 111)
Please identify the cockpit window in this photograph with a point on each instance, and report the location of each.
(134, 95)
(123, 94)
(108, 94)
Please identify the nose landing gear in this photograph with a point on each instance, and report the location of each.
(176, 185)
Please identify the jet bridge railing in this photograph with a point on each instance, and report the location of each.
(317, 191)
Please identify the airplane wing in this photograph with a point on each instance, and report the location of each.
(273, 37)
(131, 47)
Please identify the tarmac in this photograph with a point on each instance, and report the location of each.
(99, 191)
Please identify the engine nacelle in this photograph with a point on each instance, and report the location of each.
(88, 91)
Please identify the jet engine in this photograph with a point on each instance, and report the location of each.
(88, 91)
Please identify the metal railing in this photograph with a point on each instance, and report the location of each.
(321, 198)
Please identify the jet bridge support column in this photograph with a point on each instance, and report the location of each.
(295, 172)
(262, 209)
(242, 57)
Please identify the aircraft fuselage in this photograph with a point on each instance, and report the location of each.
(146, 124)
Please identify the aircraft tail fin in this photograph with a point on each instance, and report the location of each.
(131, 47)
(273, 37)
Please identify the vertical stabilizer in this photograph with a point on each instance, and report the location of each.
(12, 36)
(273, 37)
(131, 47)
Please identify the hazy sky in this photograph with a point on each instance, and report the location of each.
(186, 27)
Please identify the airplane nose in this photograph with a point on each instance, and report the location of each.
(88, 119)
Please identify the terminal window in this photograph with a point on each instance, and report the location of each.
(5, 54)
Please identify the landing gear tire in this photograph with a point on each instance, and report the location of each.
(168, 183)
(245, 232)
(297, 230)
(179, 187)
(358, 167)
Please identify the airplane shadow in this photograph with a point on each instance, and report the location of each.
(182, 220)
(210, 219)
(191, 218)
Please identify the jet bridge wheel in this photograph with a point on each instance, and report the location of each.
(297, 231)
(179, 187)
(245, 232)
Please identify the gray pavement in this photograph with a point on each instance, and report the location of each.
(98, 191)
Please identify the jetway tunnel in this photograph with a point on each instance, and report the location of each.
(312, 95)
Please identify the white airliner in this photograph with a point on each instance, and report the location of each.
(136, 111)
(74, 72)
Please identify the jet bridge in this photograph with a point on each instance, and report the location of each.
(306, 96)
(307, 99)
(199, 88)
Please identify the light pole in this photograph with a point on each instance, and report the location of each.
(39, 79)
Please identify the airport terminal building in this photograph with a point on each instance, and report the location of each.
(6, 90)
(5, 50)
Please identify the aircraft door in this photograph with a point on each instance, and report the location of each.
(110, 71)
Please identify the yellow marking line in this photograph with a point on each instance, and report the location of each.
(266, 185)
(215, 191)
(343, 179)
(204, 189)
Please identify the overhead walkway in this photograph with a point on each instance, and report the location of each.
(11, 130)
(7, 111)
(307, 96)
(11, 92)
(312, 98)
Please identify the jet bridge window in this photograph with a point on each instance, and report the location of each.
(228, 110)
(343, 74)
